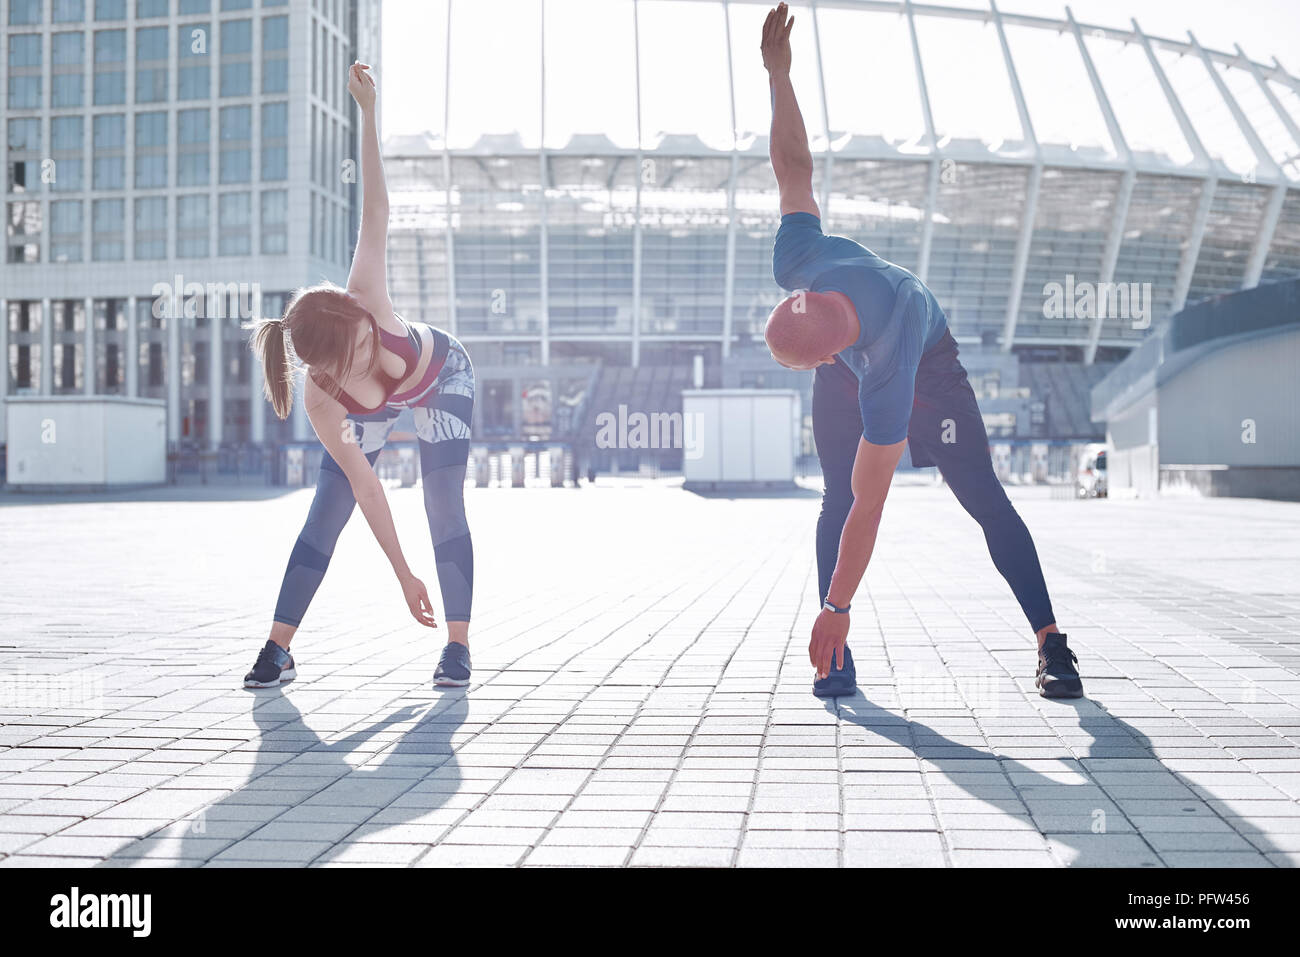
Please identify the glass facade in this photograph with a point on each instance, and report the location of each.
(121, 127)
(159, 137)
(640, 210)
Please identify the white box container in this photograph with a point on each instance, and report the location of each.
(741, 436)
(85, 442)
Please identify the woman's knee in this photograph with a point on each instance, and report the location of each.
(444, 503)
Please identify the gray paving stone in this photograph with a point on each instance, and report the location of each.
(665, 723)
(470, 855)
(549, 855)
(893, 849)
(787, 857)
(678, 856)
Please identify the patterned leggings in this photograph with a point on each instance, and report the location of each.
(442, 422)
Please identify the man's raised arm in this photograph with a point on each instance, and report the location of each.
(788, 144)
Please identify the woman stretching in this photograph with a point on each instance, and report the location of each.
(364, 366)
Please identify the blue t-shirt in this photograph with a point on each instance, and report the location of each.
(899, 317)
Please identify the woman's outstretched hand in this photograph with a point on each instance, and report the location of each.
(417, 599)
(361, 85)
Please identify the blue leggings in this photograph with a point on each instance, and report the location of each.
(442, 423)
(946, 430)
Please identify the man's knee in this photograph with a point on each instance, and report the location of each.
(983, 497)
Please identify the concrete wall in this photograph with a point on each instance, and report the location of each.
(1133, 462)
(1225, 422)
(85, 442)
(1206, 409)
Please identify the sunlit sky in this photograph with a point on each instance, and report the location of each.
(591, 79)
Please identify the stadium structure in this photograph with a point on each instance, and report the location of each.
(588, 264)
(592, 210)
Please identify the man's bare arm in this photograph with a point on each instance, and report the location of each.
(873, 469)
(792, 160)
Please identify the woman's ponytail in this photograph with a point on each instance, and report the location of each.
(268, 343)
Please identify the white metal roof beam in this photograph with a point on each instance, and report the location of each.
(927, 223)
(1263, 160)
(446, 172)
(932, 186)
(1282, 76)
(1026, 238)
(1026, 124)
(1279, 72)
(1184, 122)
(637, 239)
(729, 267)
(1283, 114)
(828, 161)
(1192, 251)
(1109, 259)
(1103, 101)
(1021, 262)
(544, 246)
(1268, 224)
(1267, 227)
(1115, 238)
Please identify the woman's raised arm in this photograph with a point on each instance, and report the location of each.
(368, 279)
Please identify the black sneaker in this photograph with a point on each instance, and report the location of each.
(453, 666)
(274, 667)
(841, 682)
(1058, 671)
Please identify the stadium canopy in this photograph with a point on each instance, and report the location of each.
(988, 151)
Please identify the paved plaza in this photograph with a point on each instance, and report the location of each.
(641, 692)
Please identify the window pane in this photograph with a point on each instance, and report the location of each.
(68, 49)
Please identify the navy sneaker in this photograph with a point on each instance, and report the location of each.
(841, 682)
(274, 667)
(1058, 671)
(453, 666)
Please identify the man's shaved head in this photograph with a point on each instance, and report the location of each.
(807, 328)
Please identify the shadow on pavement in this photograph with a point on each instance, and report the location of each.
(794, 491)
(1067, 814)
(321, 793)
(160, 493)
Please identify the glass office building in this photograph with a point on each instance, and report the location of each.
(172, 170)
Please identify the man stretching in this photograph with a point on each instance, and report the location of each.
(886, 373)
